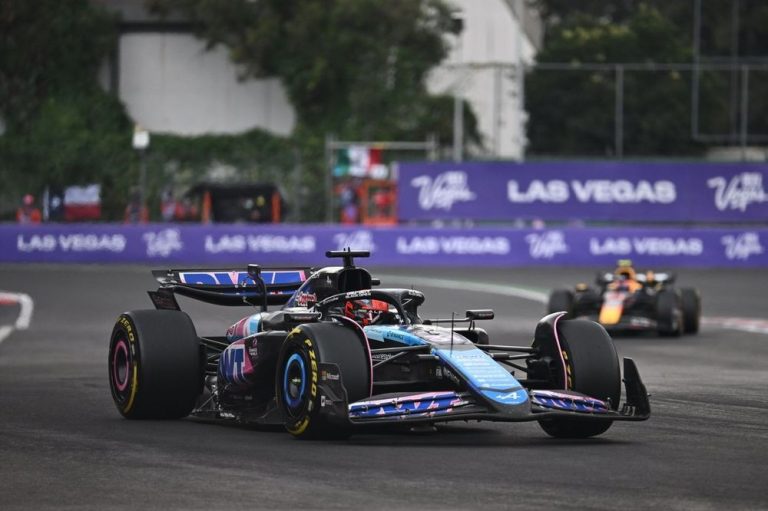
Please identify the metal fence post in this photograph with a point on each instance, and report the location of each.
(744, 110)
(696, 70)
(458, 127)
(496, 111)
(329, 179)
(619, 112)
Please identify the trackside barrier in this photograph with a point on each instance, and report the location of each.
(638, 192)
(161, 244)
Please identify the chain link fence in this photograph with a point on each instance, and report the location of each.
(647, 109)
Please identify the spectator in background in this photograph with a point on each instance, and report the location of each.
(135, 211)
(382, 202)
(168, 205)
(349, 207)
(27, 212)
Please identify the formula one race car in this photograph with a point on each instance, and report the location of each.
(340, 355)
(626, 300)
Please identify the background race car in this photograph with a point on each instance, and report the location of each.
(627, 300)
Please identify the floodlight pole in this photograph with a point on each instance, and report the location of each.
(143, 179)
(744, 131)
(619, 112)
(329, 157)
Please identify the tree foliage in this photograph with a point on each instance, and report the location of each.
(354, 68)
(61, 127)
(48, 48)
(572, 111)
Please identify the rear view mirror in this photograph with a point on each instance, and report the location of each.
(480, 314)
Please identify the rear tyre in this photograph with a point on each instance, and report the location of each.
(691, 305)
(560, 300)
(591, 368)
(669, 314)
(297, 379)
(155, 364)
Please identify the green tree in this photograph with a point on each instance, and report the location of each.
(354, 68)
(572, 112)
(48, 47)
(61, 127)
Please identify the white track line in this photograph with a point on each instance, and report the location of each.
(497, 289)
(751, 325)
(26, 305)
(5, 331)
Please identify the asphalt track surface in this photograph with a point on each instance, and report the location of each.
(63, 444)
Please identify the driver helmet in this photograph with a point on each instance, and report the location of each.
(365, 312)
(625, 271)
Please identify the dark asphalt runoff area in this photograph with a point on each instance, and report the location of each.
(63, 444)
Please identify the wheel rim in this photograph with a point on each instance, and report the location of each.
(294, 382)
(120, 365)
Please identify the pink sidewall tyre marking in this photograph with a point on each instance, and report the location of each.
(121, 359)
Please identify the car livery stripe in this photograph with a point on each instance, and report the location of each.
(417, 404)
(393, 333)
(570, 402)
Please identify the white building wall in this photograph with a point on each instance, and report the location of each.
(170, 83)
(484, 67)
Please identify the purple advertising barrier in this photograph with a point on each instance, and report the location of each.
(197, 245)
(590, 191)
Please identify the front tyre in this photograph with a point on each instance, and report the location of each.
(297, 379)
(669, 315)
(591, 368)
(155, 364)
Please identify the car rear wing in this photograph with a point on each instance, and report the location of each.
(647, 277)
(255, 286)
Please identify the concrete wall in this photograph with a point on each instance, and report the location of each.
(170, 83)
(484, 67)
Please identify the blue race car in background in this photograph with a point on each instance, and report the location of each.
(339, 355)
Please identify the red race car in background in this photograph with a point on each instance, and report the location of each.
(627, 300)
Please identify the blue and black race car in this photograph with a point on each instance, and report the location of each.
(341, 353)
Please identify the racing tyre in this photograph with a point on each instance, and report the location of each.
(560, 300)
(297, 378)
(156, 364)
(691, 305)
(669, 314)
(592, 368)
